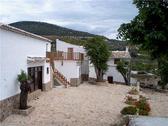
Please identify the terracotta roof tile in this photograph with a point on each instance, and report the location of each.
(120, 54)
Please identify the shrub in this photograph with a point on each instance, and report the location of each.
(22, 76)
(130, 100)
(133, 91)
(143, 106)
(142, 97)
(143, 112)
(130, 110)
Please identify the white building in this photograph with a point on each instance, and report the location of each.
(112, 64)
(21, 50)
(70, 62)
(65, 47)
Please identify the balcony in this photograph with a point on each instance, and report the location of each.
(59, 55)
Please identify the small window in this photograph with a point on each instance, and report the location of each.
(116, 61)
(62, 63)
(47, 70)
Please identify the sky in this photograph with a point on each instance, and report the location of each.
(102, 17)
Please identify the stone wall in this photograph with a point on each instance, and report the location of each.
(74, 82)
(47, 86)
(7, 105)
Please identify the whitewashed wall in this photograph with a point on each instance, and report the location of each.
(92, 73)
(69, 69)
(46, 76)
(14, 51)
(112, 71)
(0, 63)
(63, 46)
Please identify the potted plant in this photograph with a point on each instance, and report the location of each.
(25, 88)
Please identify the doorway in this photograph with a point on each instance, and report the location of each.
(35, 74)
(110, 79)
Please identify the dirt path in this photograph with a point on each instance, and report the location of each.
(86, 105)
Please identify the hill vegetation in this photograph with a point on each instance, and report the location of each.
(54, 32)
(42, 28)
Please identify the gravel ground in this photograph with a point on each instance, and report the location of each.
(158, 102)
(86, 105)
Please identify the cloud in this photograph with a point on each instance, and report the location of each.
(101, 17)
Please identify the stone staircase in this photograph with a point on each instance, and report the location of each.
(60, 78)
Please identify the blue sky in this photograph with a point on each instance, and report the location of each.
(101, 17)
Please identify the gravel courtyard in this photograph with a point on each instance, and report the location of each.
(86, 105)
(158, 102)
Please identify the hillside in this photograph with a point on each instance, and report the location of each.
(42, 28)
(116, 44)
(54, 32)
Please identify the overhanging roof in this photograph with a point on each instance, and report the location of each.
(22, 32)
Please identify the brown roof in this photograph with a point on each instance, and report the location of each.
(120, 55)
(19, 31)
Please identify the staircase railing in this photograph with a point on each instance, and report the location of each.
(59, 55)
(61, 78)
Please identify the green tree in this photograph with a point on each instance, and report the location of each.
(149, 29)
(98, 53)
(122, 67)
(163, 70)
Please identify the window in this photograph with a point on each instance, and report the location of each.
(47, 70)
(53, 46)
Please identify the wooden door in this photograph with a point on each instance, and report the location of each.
(70, 54)
(39, 80)
(36, 75)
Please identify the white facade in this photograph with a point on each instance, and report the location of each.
(14, 50)
(69, 68)
(112, 70)
(63, 46)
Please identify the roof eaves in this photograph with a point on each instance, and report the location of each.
(20, 31)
